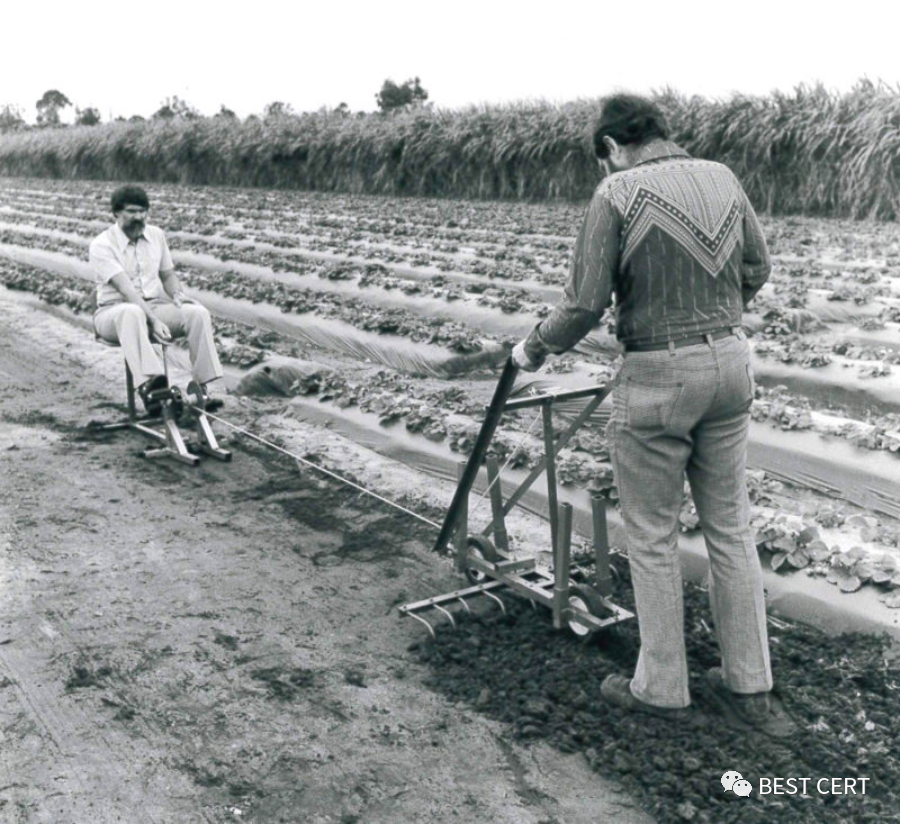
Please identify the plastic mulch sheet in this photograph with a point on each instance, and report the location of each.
(795, 596)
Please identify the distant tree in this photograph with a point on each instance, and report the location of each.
(87, 117)
(342, 108)
(174, 107)
(48, 107)
(11, 119)
(226, 112)
(392, 96)
(136, 118)
(278, 109)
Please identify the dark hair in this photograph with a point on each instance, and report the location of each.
(628, 119)
(130, 195)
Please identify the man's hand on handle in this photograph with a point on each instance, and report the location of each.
(522, 360)
(159, 330)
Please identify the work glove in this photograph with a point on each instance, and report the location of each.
(522, 360)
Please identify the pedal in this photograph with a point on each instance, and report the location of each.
(197, 395)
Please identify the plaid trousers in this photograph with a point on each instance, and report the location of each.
(676, 412)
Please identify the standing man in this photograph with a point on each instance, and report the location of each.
(677, 241)
(138, 294)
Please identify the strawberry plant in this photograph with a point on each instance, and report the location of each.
(829, 516)
(877, 370)
(761, 488)
(796, 548)
(850, 570)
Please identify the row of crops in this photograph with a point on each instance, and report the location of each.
(386, 320)
(402, 310)
(810, 152)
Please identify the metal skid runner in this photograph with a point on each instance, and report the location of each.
(489, 565)
(174, 405)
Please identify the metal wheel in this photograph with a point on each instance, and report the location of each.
(615, 578)
(588, 600)
(479, 547)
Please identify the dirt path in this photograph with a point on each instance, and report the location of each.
(220, 643)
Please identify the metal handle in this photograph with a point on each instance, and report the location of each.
(491, 420)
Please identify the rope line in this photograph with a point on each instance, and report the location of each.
(321, 469)
(362, 489)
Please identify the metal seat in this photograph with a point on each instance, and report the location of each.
(129, 379)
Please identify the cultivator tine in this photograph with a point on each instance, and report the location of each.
(495, 598)
(446, 613)
(422, 620)
(465, 605)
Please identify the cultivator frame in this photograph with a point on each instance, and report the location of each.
(488, 565)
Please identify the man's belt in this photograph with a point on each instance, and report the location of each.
(693, 340)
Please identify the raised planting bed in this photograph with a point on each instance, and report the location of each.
(368, 414)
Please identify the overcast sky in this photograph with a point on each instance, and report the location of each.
(126, 58)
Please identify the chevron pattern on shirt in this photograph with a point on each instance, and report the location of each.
(647, 209)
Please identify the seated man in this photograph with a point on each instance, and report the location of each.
(138, 295)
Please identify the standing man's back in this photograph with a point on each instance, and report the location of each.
(691, 251)
(678, 243)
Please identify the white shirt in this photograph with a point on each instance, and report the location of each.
(112, 253)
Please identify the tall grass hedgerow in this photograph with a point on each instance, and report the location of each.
(809, 152)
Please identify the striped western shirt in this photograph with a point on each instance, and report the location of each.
(675, 239)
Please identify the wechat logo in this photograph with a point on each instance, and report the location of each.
(734, 781)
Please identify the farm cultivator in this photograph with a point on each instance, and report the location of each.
(489, 565)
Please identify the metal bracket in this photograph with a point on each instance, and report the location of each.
(206, 440)
(175, 446)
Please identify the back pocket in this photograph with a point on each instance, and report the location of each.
(652, 406)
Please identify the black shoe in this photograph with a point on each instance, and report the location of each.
(153, 407)
(616, 689)
(761, 711)
(198, 395)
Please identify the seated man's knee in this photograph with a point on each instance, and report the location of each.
(195, 313)
(131, 313)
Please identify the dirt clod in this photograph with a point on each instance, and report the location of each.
(356, 678)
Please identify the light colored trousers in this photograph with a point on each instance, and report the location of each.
(126, 324)
(688, 411)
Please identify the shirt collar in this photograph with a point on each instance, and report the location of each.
(121, 239)
(658, 150)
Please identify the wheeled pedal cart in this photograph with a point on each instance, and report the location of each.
(174, 406)
(489, 565)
